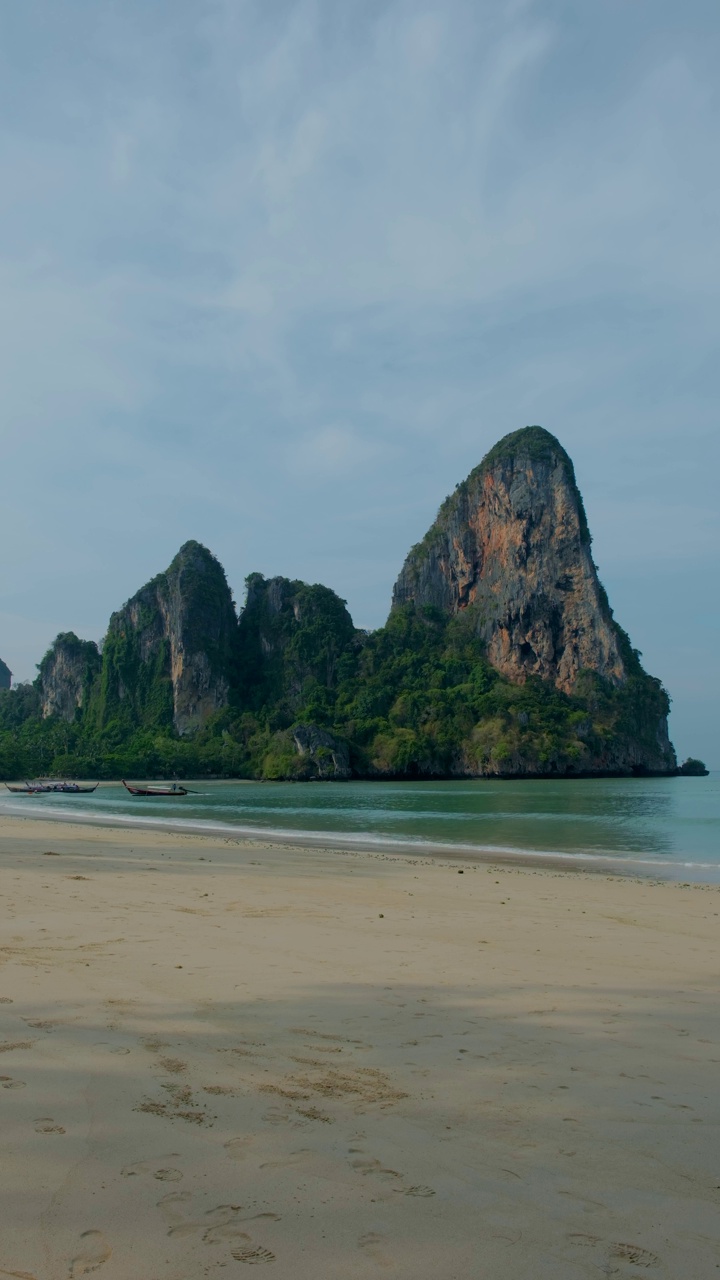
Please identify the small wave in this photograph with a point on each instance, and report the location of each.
(613, 862)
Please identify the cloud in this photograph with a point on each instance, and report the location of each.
(330, 451)
(253, 253)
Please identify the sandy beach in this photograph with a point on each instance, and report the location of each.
(218, 1053)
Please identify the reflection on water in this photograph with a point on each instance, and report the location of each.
(672, 820)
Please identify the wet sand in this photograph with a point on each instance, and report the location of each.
(218, 1053)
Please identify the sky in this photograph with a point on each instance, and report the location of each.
(276, 274)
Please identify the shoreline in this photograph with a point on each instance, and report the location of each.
(216, 1051)
(627, 867)
(603, 775)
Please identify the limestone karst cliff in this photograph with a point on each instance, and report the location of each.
(292, 636)
(66, 675)
(5, 675)
(169, 653)
(512, 545)
(510, 549)
(501, 657)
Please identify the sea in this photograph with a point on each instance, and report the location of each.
(661, 827)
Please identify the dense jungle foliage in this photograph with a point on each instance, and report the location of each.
(416, 698)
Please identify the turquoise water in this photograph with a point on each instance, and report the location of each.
(659, 825)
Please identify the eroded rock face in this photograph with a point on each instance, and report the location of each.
(5, 675)
(170, 650)
(328, 754)
(67, 673)
(290, 633)
(512, 545)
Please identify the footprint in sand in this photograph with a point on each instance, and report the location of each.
(277, 1115)
(295, 1157)
(583, 1239)
(372, 1243)
(154, 1168)
(94, 1251)
(224, 1232)
(238, 1148)
(374, 1166)
(175, 1066)
(7, 1082)
(153, 1046)
(365, 1167)
(46, 1124)
(220, 1225)
(635, 1254)
(170, 1205)
(253, 1256)
(312, 1113)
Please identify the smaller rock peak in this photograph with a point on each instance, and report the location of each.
(66, 675)
(5, 675)
(194, 553)
(170, 651)
(265, 593)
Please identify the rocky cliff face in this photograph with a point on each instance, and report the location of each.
(170, 651)
(66, 675)
(501, 657)
(510, 549)
(5, 675)
(327, 756)
(292, 636)
(512, 545)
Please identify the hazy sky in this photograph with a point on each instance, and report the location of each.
(275, 274)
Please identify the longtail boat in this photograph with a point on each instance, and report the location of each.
(174, 790)
(54, 788)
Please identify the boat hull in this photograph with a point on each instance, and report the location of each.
(57, 789)
(150, 793)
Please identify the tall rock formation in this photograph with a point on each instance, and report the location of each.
(501, 657)
(5, 675)
(292, 638)
(512, 545)
(510, 550)
(169, 654)
(66, 676)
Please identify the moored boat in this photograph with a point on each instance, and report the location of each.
(174, 790)
(56, 788)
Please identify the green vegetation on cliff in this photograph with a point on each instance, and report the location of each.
(82, 653)
(189, 607)
(293, 638)
(135, 688)
(294, 690)
(416, 698)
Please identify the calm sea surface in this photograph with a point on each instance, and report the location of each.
(668, 826)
